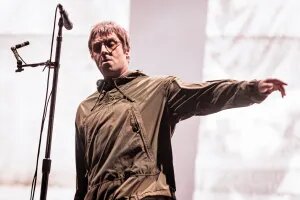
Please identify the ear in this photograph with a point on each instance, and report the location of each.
(92, 56)
(127, 53)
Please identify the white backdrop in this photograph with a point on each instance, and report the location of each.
(243, 154)
(252, 153)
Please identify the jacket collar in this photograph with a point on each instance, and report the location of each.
(108, 84)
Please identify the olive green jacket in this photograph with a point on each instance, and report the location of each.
(124, 130)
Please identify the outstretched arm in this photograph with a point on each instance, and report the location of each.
(186, 100)
(269, 85)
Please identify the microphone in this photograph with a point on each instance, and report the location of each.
(20, 45)
(67, 23)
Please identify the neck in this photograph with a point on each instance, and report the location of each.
(121, 74)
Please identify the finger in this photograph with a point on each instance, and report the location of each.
(268, 86)
(280, 82)
(265, 87)
(275, 81)
(282, 90)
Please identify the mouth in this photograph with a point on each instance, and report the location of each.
(105, 60)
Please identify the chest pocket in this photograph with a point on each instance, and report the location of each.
(118, 138)
(138, 128)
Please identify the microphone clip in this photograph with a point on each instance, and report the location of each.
(18, 58)
(19, 66)
(20, 61)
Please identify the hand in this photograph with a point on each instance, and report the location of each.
(270, 85)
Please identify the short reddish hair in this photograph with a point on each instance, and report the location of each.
(106, 28)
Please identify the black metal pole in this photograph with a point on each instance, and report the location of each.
(47, 161)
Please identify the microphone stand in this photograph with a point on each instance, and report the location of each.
(46, 166)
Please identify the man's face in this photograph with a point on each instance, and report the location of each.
(108, 53)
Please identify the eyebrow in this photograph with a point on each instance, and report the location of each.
(106, 39)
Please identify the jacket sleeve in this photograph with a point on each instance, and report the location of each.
(186, 100)
(81, 179)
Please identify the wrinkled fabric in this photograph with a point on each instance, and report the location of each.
(124, 130)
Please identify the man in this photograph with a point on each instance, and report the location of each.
(124, 129)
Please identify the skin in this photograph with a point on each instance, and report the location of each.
(267, 86)
(111, 64)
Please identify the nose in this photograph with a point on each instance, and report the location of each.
(104, 49)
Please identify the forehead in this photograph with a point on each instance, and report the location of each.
(101, 37)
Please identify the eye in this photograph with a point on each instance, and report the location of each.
(97, 47)
(111, 43)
